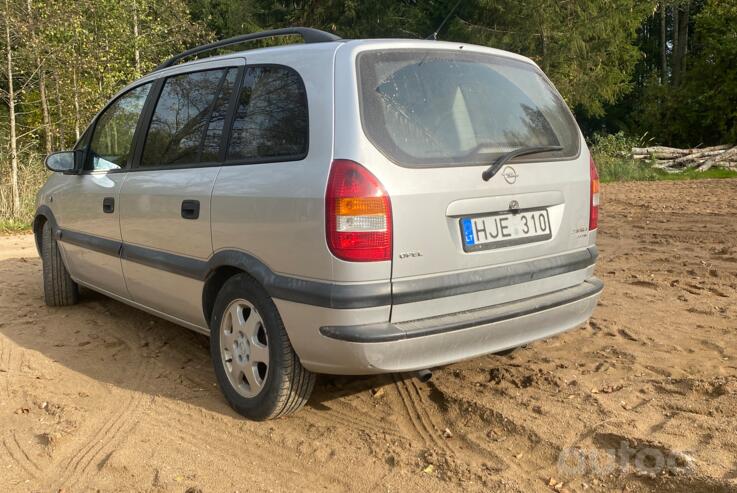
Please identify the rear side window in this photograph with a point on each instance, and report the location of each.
(181, 118)
(213, 136)
(446, 108)
(271, 121)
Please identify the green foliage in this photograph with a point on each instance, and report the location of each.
(612, 153)
(616, 145)
(694, 101)
(604, 56)
(87, 51)
(693, 174)
(347, 18)
(68, 59)
(585, 47)
(13, 226)
(702, 109)
(225, 18)
(709, 95)
(31, 175)
(613, 168)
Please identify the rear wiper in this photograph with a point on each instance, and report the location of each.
(504, 158)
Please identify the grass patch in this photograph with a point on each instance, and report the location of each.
(14, 226)
(692, 174)
(612, 169)
(612, 156)
(622, 169)
(31, 175)
(611, 153)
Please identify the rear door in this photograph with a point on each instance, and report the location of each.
(165, 202)
(438, 119)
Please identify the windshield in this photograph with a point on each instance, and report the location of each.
(444, 108)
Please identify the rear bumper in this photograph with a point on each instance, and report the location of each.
(436, 341)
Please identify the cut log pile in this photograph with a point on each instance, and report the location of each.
(675, 160)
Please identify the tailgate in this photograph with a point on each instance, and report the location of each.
(431, 257)
(438, 118)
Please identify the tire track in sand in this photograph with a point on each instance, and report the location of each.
(74, 469)
(217, 439)
(19, 455)
(345, 414)
(15, 451)
(415, 419)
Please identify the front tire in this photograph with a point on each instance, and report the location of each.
(255, 365)
(59, 288)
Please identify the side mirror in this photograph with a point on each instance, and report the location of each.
(67, 162)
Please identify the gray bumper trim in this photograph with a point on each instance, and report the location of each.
(412, 290)
(388, 332)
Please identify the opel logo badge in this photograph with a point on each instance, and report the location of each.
(510, 175)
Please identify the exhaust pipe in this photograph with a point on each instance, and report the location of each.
(424, 376)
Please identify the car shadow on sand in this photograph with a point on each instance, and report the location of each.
(113, 343)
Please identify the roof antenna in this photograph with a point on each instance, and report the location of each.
(434, 35)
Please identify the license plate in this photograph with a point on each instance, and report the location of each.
(505, 229)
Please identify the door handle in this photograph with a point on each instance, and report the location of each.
(190, 209)
(108, 205)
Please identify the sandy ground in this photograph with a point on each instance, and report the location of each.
(102, 396)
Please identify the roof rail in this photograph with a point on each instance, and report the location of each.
(308, 34)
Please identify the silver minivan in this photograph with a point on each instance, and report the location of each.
(334, 206)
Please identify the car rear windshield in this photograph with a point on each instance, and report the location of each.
(452, 108)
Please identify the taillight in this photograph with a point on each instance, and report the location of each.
(358, 214)
(594, 201)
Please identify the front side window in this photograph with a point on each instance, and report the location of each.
(181, 117)
(448, 108)
(112, 141)
(271, 122)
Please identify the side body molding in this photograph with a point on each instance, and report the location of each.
(319, 293)
(325, 294)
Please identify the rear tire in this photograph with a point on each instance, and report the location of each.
(59, 288)
(255, 365)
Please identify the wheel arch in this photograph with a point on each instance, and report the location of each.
(227, 263)
(214, 282)
(43, 215)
